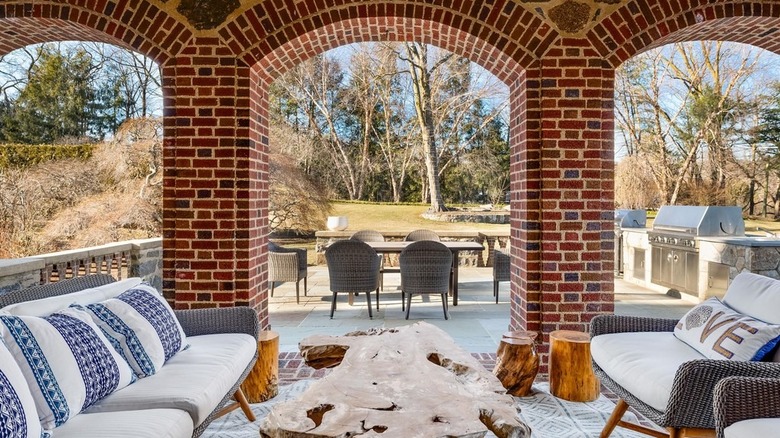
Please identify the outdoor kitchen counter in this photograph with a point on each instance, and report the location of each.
(747, 240)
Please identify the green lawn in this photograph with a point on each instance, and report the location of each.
(390, 217)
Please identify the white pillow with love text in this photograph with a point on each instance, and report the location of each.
(719, 332)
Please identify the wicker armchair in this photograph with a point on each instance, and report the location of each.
(287, 264)
(691, 403)
(425, 269)
(353, 267)
(754, 403)
(422, 235)
(501, 265)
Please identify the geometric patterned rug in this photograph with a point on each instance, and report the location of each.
(548, 416)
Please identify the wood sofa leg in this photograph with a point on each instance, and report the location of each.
(696, 432)
(614, 419)
(241, 399)
(675, 433)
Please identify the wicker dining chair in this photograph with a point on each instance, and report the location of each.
(287, 264)
(376, 236)
(422, 235)
(353, 267)
(501, 266)
(425, 269)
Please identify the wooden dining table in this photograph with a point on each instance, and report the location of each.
(455, 247)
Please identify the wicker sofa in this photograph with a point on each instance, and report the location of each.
(670, 382)
(183, 396)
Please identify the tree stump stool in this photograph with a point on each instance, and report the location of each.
(262, 383)
(517, 362)
(571, 372)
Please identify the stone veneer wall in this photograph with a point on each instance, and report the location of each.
(146, 261)
(764, 260)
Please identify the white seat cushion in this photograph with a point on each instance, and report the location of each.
(157, 423)
(195, 380)
(759, 427)
(643, 363)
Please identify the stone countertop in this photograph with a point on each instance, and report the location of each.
(748, 240)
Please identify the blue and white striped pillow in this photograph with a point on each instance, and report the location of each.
(18, 417)
(66, 360)
(143, 324)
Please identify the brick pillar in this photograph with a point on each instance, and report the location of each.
(563, 179)
(212, 229)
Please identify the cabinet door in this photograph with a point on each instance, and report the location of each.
(692, 272)
(655, 267)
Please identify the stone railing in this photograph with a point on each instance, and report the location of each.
(132, 258)
(489, 239)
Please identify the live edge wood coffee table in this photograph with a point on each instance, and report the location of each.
(410, 381)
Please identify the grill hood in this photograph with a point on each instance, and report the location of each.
(625, 218)
(700, 220)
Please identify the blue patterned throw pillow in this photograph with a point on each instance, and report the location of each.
(143, 326)
(67, 362)
(18, 417)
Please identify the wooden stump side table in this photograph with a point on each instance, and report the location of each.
(571, 372)
(517, 362)
(262, 383)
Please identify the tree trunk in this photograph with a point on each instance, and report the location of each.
(421, 84)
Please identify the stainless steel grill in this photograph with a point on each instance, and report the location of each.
(625, 218)
(673, 238)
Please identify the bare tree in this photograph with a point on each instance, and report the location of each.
(682, 109)
(394, 134)
(416, 55)
(315, 88)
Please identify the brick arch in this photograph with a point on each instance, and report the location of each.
(286, 56)
(394, 29)
(137, 25)
(636, 27)
(268, 26)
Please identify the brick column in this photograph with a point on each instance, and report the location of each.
(562, 176)
(213, 229)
